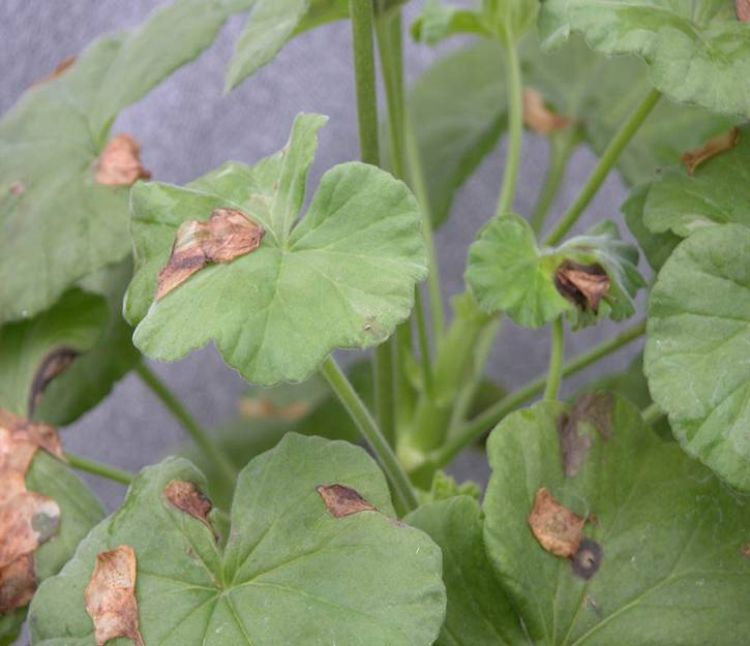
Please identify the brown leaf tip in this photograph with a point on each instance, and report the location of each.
(53, 365)
(742, 8)
(226, 235)
(557, 529)
(538, 117)
(694, 158)
(588, 559)
(188, 498)
(120, 163)
(342, 501)
(584, 285)
(110, 596)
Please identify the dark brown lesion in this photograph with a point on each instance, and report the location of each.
(52, 366)
(583, 285)
(343, 501)
(595, 409)
(188, 498)
(713, 147)
(588, 559)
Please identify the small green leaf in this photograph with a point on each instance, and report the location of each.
(479, 611)
(671, 568)
(342, 276)
(697, 349)
(698, 52)
(509, 273)
(291, 572)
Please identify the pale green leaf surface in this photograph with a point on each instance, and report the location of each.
(672, 535)
(439, 21)
(291, 573)
(657, 247)
(697, 351)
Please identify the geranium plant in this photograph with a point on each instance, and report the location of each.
(327, 518)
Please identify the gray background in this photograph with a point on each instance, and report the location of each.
(188, 127)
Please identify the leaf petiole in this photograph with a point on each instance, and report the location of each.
(98, 469)
(557, 356)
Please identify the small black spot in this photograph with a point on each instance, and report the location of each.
(588, 559)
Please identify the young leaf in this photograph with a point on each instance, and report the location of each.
(342, 276)
(698, 52)
(696, 352)
(59, 224)
(662, 558)
(291, 572)
(479, 611)
(589, 277)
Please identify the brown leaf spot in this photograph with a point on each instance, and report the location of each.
(53, 365)
(591, 408)
(120, 163)
(588, 559)
(17, 584)
(226, 235)
(343, 501)
(743, 10)
(558, 530)
(110, 596)
(17, 189)
(694, 158)
(266, 408)
(583, 285)
(745, 550)
(538, 117)
(188, 498)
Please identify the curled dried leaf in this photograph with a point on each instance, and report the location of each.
(110, 596)
(557, 528)
(588, 559)
(188, 498)
(575, 443)
(584, 285)
(17, 584)
(539, 117)
(342, 501)
(694, 158)
(266, 408)
(226, 235)
(120, 163)
(53, 365)
(743, 10)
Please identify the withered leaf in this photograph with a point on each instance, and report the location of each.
(343, 501)
(594, 408)
(226, 235)
(743, 10)
(53, 365)
(120, 163)
(557, 528)
(583, 285)
(17, 583)
(110, 596)
(266, 408)
(188, 498)
(539, 117)
(588, 559)
(694, 158)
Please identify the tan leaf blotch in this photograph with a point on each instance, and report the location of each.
(226, 235)
(188, 498)
(17, 584)
(743, 10)
(575, 442)
(538, 117)
(343, 501)
(584, 285)
(53, 365)
(694, 158)
(120, 163)
(110, 596)
(557, 528)
(266, 408)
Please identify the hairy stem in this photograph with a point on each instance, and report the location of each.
(98, 469)
(561, 147)
(557, 356)
(515, 129)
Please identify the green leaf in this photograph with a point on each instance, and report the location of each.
(479, 611)
(439, 21)
(29, 349)
(290, 573)
(698, 52)
(671, 535)
(697, 349)
(511, 18)
(57, 223)
(11, 625)
(342, 276)
(657, 247)
(509, 273)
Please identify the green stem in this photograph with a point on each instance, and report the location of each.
(361, 12)
(605, 164)
(425, 357)
(515, 129)
(98, 469)
(182, 415)
(561, 147)
(477, 427)
(557, 356)
(652, 414)
(405, 498)
(390, 48)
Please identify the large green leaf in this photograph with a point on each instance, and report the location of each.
(479, 611)
(342, 276)
(57, 224)
(509, 273)
(697, 352)
(698, 52)
(657, 247)
(291, 572)
(671, 536)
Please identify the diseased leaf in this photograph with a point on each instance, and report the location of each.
(291, 572)
(558, 529)
(713, 147)
(660, 561)
(697, 52)
(343, 501)
(538, 117)
(657, 247)
(341, 276)
(120, 163)
(188, 498)
(743, 9)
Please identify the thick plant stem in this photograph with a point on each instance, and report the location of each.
(557, 356)
(515, 129)
(404, 496)
(98, 469)
(425, 358)
(606, 162)
(182, 415)
(561, 148)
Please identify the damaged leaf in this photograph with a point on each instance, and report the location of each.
(660, 562)
(539, 117)
(343, 501)
(291, 572)
(742, 7)
(187, 497)
(710, 149)
(110, 596)
(589, 412)
(17, 584)
(226, 235)
(26, 521)
(584, 285)
(120, 163)
(557, 528)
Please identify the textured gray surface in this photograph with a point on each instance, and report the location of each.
(188, 127)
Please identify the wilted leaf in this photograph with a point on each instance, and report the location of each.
(584, 285)
(711, 148)
(539, 117)
(120, 163)
(291, 572)
(557, 528)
